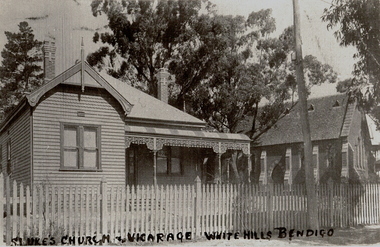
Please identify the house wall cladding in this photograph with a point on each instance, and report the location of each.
(18, 133)
(61, 105)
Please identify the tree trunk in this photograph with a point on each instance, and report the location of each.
(308, 149)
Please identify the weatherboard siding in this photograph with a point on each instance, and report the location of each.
(18, 132)
(61, 106)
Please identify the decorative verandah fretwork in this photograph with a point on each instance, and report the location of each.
(219, 146)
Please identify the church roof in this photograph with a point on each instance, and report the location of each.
(328, 118)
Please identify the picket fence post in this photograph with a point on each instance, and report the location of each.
(103, 215)
(330, 204)
(198, 196)
(270, 195)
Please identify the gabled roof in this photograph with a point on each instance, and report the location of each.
(135, 103)
(327, 116)
(84, 67)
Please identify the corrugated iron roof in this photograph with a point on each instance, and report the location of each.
(185, 133)
(148, 107)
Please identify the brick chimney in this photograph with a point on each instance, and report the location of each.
(163, 77)
(48, 50)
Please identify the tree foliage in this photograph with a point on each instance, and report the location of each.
(248, 71)
(20, 70)
(358, 25)
(144, 36)
(223, 65)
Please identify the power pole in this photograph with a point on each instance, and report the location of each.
(302, 101)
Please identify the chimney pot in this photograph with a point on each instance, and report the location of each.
(163, 78)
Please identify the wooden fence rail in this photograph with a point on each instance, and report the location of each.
(56, 211)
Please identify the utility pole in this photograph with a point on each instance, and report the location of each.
(302, 101)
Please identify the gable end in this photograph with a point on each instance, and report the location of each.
(35, 96)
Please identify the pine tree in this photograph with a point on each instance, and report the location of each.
(20, 70)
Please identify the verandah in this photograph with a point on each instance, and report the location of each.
(46, 210)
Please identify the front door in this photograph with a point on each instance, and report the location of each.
(131, 165)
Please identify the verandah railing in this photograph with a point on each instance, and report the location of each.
(50, 210)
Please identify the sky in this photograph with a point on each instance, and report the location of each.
(70, 20)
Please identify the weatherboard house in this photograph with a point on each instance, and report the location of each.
(340, 139)
(81, 127)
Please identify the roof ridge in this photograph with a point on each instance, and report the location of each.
(330, 95)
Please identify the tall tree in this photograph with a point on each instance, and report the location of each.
(358, 25)
(223, 65)
(247, 66)
(246, 73)
(144, 36)
(20, 70)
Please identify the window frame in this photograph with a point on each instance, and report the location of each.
(131, 159)
(1, 157)
(9, 157)
(169, 162)
(80, 129)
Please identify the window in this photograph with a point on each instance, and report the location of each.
(132, 167)
(169, 161)
(315, 158)
(80, 147)
(360, 154)
(336, 104)
(311, 108)
(9, 164)
(1, 157)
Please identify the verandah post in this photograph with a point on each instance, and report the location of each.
(219, 178)
(249, 168)
(197, 211)
(103, 215)
(155, 168)
(155, 150)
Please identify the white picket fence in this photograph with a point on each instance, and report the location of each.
(114, 211)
